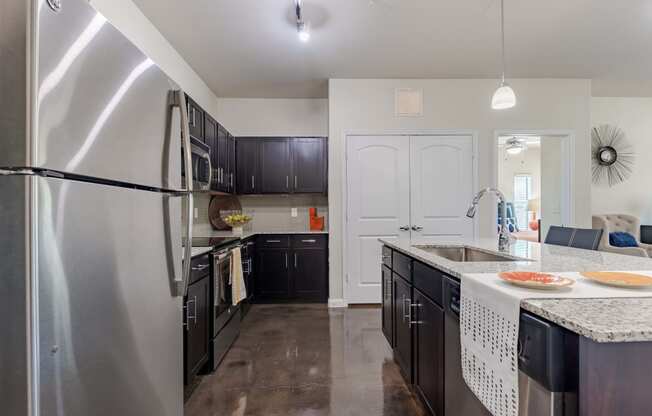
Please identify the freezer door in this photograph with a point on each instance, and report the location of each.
(109, 331)
(103, 107)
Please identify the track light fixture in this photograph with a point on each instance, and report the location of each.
(302, 27)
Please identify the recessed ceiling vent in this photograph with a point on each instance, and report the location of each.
(409, 102)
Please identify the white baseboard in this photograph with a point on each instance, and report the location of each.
(337, 303)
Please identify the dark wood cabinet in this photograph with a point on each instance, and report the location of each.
(273, 280)
(275, 166)
(429, 352)
(222, 159)
(308, 165)
(210, 138)
(196, 328)
(292, 268)
(231, 164)
(388, 305)
(309, 274)
(247, 173)
(402, 328)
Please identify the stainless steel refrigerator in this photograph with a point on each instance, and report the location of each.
(91, 222)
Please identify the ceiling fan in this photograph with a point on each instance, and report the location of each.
(515, 145)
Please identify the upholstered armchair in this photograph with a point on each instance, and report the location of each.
(621, 223)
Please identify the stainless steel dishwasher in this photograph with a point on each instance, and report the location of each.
(459, 400)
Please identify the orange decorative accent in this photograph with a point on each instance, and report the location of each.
(620, 279)
(536, 280)
(316, 223)
(534, 225)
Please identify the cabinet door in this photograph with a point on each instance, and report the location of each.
(231, 164)
(196, 332)
(247, 178)
(387, 311)
(195, 119)
(429, 352)
(273, 277)
(275, 166)
(402, 328)
(308, 165)
(223, 158)
(309, 275)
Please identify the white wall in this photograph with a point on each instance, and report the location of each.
(527, 162)
(129, 20)
(634, 116)
(274, 117)
(367, 105)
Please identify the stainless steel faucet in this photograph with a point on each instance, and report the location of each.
(504, 236)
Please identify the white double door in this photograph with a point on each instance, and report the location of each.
(414, 189)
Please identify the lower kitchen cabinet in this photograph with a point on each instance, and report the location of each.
(428, 339)
(273, 279)
(402, 327)
(196, 328)
(388, 305)
(291, 268)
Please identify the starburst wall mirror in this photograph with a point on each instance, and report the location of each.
(612, 155)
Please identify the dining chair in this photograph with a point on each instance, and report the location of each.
(559, 236)
(586, 238)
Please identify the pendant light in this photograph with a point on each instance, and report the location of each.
(504, 96)
(303, 29)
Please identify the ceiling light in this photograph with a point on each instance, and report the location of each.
(515, 146)
(504, 97)
(302, 27)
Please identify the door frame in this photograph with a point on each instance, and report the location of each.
(352, 134)
(568, 203)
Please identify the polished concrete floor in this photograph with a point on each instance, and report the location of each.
(306, 360)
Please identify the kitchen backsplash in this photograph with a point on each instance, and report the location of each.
(269, 212)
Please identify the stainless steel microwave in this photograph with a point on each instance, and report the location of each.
(202, 170)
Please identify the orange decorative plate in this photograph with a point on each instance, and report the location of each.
(620, 279)
(535, 280)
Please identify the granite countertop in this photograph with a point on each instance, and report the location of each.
(602, 320)
(248, 234)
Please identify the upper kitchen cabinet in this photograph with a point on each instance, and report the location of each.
(247, 173)
(275, 167)
(195, 119)
(278, 165)
(223, 178)
(309, 165)
(210, 138)
(231, 164)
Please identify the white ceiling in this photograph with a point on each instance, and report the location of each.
(249, 48)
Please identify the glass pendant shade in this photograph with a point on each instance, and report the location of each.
(503, 98)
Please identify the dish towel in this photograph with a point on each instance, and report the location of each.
(238, 288)
(489, 324)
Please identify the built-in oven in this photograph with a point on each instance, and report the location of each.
(202, 170)
(225, 322)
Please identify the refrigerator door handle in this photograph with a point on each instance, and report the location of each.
(182, 285)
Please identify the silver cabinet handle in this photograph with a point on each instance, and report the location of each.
(309, 241)
(295, 260)
(287, 182)
(286, 260)
(404, 228)
(410, 321)
(272, 241)
(231, 179)
(253, 183)
(201, 267)
(403, 308)
(386, 257)
(295, 181)
(416, 228)
(194, 315)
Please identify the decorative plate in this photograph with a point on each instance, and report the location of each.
(536, 280)
(620, 279)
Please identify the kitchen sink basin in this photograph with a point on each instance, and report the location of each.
(466, 254)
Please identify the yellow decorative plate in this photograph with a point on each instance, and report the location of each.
(620, 279)
(536, 280)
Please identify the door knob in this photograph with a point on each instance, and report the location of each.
(416, 228)
(404, 228)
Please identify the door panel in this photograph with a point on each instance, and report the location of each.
(223, 158)
(197, 328)
(429, 352)
(308, 165)
(309, 275)
(120, 128)
(106, 317)
(441, 187)
(402, 329)
(275, 165)
(387, 311)
(247, 181)
(273, 279)
(378, 204)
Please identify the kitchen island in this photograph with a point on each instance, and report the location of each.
(609, 366)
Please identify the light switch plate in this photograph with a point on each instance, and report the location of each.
(294, 212)
(196, 213)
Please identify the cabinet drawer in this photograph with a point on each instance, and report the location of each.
(387, 256)
(402, 265)
(200, 266)
(309, 241)
(428, 281)
(274, 241)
